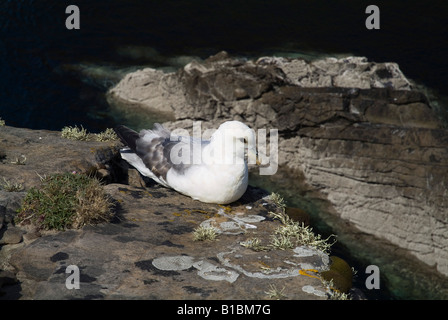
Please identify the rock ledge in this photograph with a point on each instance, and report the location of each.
(147, 251)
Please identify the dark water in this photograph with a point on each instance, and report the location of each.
(51, 77)
(38, 91)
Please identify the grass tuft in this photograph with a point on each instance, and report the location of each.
(254, 244)
(274, 293)
(20, 161)
(291, 233)
(75, 133)
(65, 201)
(81, 134)
(278, 200)
(107, 135)
(204, 233)
(10, 186)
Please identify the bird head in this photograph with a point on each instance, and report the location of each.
(235, 138)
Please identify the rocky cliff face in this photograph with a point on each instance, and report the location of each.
(357, 130)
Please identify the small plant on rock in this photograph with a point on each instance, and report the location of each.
(254, 244)
(291, 233)
(274, 293)
(20, 161)
(65, 201)
(10, 186)
(204, 233)
(81, 134)
(106, 135)
(75, 133)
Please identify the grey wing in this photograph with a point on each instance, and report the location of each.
(164, 153)
(184, 154)
(153, 156)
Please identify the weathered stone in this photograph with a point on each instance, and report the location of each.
(47, 153)
(150, 250)
(9, 203)
(11, 235)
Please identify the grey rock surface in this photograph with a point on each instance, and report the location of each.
(150, 254)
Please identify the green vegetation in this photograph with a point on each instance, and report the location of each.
(107, 135)
(278, 200)
(81, 134)
(334, 293)
(291, 234)
(2, 122)
(65, 201)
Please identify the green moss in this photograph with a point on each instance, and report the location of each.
(65, 201)
(341, 266)
(340, 274)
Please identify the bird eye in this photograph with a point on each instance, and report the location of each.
(245, 140)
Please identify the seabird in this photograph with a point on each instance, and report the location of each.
(211, 171)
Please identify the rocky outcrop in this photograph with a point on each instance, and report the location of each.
(148, 251)
(356, 130)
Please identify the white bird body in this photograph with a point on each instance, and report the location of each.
(212, 171)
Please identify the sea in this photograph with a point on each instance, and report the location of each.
(52, 76)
